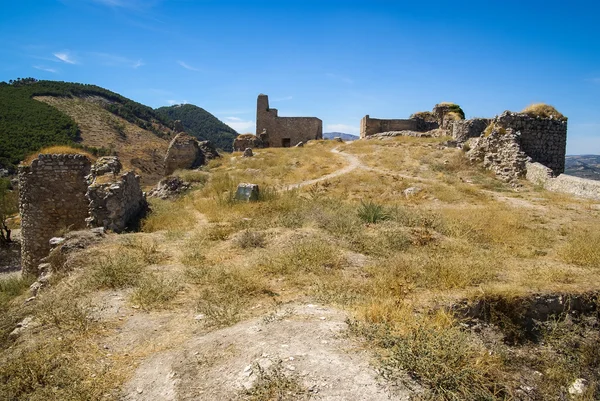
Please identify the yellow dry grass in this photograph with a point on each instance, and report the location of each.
(58, 150)
(543, 110)
(463, 236)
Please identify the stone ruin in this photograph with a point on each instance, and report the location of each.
(57, 193)
(186, 152)
(248, 141)
(275, 131)
(417, 123)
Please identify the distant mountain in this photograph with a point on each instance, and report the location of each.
(201, 124)
(345, 137)
(584, 166)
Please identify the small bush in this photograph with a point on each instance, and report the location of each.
(193, 176)
(155, 291)
(226, 293)
(544, 111)
(116, 270)
(147, 247)
(371, 212)
(454, 108)
(304, 256)
(251, 239)
(12, 287)
(275, 385)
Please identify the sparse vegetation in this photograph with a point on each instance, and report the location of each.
(396, 264)
(544, 111)
(275, 384)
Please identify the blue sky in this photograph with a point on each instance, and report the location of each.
(337, 60)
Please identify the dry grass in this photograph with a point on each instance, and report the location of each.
(138, 149)
(58, 150)
(544, 111)
(358, 243)
(582, 247)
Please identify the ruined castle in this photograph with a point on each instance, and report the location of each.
(284, 132)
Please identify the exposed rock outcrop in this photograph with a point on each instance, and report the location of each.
(169, 187)
(183, 153)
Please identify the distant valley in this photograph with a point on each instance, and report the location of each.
(584, 166)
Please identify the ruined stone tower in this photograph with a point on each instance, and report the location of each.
(51, 200)
(284, 132)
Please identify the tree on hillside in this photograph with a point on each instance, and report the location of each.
(8, 207)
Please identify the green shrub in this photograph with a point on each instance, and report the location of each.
(371, 212)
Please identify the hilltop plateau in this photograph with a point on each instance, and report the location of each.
(389, 268)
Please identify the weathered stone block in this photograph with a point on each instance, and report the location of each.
(247, 192)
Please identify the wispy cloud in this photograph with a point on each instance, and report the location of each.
(340, 78)
(239, 125)
(187, 66)
(595, 80)
(42, 68)
(174, 102)
(115, 60)
(66, 56)
(347, 129)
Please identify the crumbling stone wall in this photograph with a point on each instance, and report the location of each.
(183, 153)
(115, 201)
(465, 129)
(542, 139)
(542, 175)
(501, 153)
(371, 126)
(51, 198)
(245, 141)
(278, 131)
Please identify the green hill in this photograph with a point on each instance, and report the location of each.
(201, 124)
(27, 125)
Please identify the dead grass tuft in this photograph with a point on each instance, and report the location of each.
(544, 111)
(58, 150)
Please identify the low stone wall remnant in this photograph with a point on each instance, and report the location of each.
(568, 184)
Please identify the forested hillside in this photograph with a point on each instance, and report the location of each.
(201, 124)
(27, 125)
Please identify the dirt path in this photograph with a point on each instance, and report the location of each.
(305, 342)
(354, 162)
